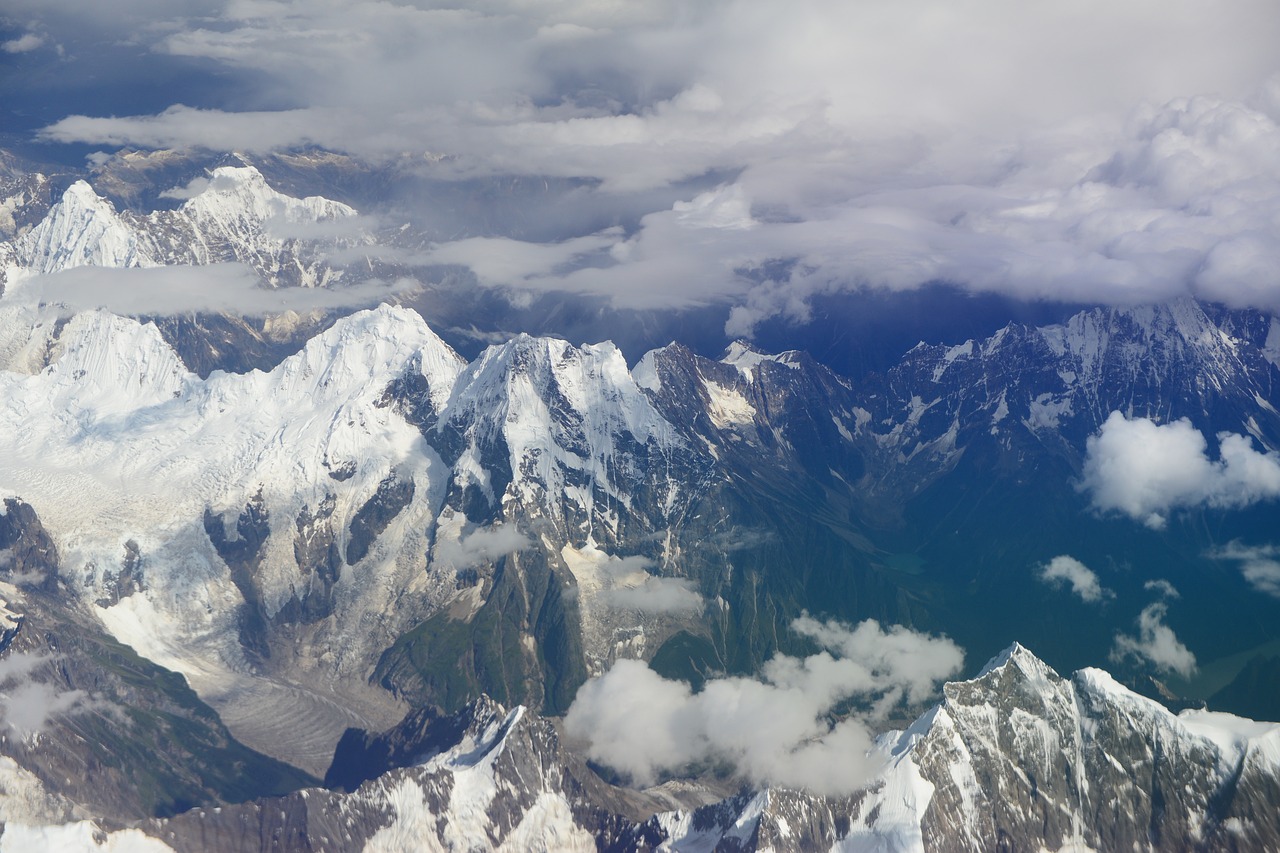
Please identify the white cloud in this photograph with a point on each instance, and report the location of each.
(1145, 470)
(155, 291)
(1260, 564)
(1083, 581)
(774, 729)
(1114, 152)
(23, 44)
(1163, 587)
(1156, 643)
(655, 595)
(480, 546)
(26, 706)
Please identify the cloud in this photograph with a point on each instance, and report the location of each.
(1145, 470)
(1156, 643)
(656, 595)
(180, 126)
(1259, 564)
(26, 706)
(1163, 587)
(1118, 153)
(156, 291)
(480, 546)
(624, 583)
(774, 729)
(1083, 581)
(22, 44)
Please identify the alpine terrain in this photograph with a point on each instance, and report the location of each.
(308, 578)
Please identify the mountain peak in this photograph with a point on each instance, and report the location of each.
(1016, 653)
(747, 357)
(242, 192)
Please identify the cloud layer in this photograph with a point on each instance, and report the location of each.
(157, 291)
(1083, 152)
(775, 729)
(1145, 470)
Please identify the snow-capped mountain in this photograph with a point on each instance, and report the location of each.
(233, 216)
(372, 525)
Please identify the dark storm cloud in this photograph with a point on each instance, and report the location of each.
(1076, 151)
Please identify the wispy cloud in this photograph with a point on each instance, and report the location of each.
(27, 705)
(23, 44)
(1260, 564)
(155, 291)
(629, 586)
(481, 545)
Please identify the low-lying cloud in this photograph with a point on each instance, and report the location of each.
(1155, 643)
(774, 729)
(629, 586)
(161, 291)
(26, 705)
(1082, 580)
(1145, 470)
(482, 545)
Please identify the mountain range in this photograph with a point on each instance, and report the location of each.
(270, 535)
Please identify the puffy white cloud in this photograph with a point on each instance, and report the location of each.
(1083, 581)
(155, 291)
(1145, 470)
(1260, 564)
(774, 729)
(1156, 643)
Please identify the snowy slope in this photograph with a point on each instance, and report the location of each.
(115, 442)
(236, 216)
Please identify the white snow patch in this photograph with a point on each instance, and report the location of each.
(727, 407)
(1271, 348)
(645, 373)
(82, 837)
(746, 359)
(964, 350)
(1046, 410)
